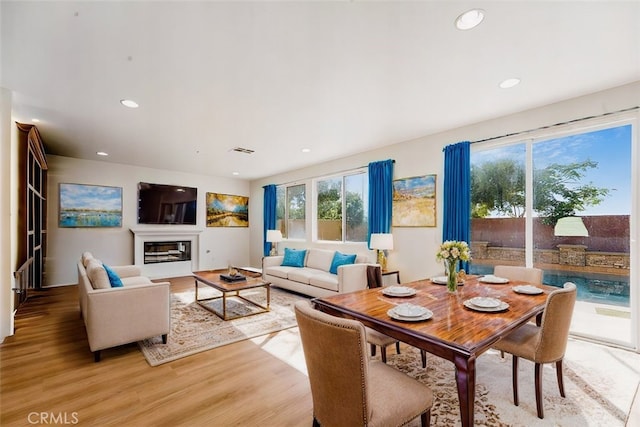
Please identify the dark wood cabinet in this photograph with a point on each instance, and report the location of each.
(32, 211)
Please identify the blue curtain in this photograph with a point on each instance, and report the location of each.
(457, 193)
(380, 196)
(269, 215)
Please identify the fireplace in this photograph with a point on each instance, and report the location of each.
(163, 252)
(175, 251)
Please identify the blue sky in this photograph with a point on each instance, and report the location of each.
(76, 196)
(610, 148)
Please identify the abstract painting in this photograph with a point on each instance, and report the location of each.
(90, 206)
(414, 201)
(225, 210)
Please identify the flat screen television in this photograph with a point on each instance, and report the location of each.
(166, 204)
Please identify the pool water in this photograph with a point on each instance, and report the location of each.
(592, 287)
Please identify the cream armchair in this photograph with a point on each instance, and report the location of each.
(121, 315)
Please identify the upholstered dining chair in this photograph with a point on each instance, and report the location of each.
(378, 339)
(348, 388)
(526, 274)
(542, 344)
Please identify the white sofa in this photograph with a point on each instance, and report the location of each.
(314, 278)
(120, 315)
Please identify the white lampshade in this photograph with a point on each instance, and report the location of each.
(381, 241)
(274, 236)
(570, 226)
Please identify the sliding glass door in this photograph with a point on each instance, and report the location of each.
(564, 203)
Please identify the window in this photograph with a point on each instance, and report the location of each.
(341, 207)
(290, 211)
(562, 203)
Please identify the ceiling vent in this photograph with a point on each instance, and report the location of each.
(242, 150)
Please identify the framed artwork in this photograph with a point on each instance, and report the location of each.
(225, 210)
(414, 202)
(90, 206)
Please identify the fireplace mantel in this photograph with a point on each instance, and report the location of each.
(170, 233)
(165, 231)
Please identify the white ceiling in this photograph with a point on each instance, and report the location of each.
(275, 77)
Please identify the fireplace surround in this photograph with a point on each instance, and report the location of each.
(162, 252)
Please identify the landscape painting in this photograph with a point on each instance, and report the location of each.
(225, 210)
(414, 201)
(90, 206)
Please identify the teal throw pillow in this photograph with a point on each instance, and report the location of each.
(114, 279)
(294, 257)
(341, 259)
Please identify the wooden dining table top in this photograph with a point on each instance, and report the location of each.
(453, 328)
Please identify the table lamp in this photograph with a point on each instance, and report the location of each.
(381, 242)
(274, 236)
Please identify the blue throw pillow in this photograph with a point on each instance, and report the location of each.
(341, 259)
(114, 279)
(294, 257)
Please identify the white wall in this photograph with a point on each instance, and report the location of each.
(218, 245)
(414, 248)
(8, 223)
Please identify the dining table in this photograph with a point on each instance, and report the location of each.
(451, 327)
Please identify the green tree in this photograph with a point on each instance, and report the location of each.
(498, 186)
(296, 199)
(355, 209)
(558, 192)
(329, 199)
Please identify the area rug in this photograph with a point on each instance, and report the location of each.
(600, 383)
(195, 329)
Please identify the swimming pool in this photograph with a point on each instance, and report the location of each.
(592, 287)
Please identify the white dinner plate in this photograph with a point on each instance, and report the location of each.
(426, 315)
(398, 291)
(409, 310)
(493, 279)
(442, 280)
(485, 302)
(503, 306)
(527, 289)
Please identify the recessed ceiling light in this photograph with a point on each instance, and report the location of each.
(35, 120)
(129, 103)
(102, 153)
(469, 19)
(506, 84)
(235, 173)
(306, 150)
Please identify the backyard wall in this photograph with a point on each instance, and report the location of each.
(607, 233)
(502, 239)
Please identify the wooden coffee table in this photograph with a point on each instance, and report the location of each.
(231, 290)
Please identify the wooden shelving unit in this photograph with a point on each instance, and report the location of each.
(32, 209)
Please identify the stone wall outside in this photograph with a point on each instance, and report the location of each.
(570, 255)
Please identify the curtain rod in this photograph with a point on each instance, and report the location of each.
(555, 125)
(332, 173)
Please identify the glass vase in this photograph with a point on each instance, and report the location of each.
(452, 276)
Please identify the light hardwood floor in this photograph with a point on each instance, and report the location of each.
(47, 370)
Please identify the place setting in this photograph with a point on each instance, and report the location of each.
(494, 280)
(410, 313)
(442, 280)
(398, 291)
(486, 304)
(527, 290)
